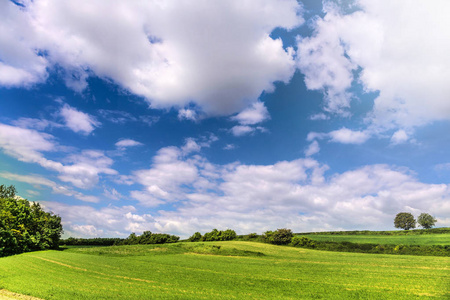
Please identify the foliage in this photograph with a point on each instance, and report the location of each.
(405, 221)
(169, 272)
(7, 191)
(426, 221)
(216, 235)
(303, 242)
(147, 237)
(278, 237)
(26, 227)
(71, 241)
(195, 237)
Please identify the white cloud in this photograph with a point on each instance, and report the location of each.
(38, 181)
(347, 136)
(319, 117)
(253, 198)
(20, 64)
(312, 149)
(187, 114)
(218, 55)
(255, 114)
(84, 170)
(400, 58)
(399, 137)
(343, 135)
(38, 124)
(77, 120)
(127, 143)
(27, 145)
(229, 147)
(240, 130)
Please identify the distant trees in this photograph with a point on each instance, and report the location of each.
(426, 221)
(405, 221)
(278, 237)
(214, 235)
(25, 226)
(196, 237)
(147, 237)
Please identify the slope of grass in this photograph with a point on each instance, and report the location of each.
(222, 270)
(423, 240)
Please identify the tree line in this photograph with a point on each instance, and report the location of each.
(25, 226)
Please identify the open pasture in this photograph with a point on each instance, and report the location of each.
(222, 270)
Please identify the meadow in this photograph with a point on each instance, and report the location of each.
(222, 270)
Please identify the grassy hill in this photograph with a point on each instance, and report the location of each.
(222, 270)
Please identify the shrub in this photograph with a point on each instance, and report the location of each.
(279, 237)
(303, 242)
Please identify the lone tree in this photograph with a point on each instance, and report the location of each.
(405, 221)
(426, 221)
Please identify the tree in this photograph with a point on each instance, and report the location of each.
(24, 226)
(405, 221)
(279, 237)
(7, 191)
(426, 221)
(195, 237)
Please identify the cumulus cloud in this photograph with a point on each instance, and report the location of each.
(347, 136)
(343, 136)
(253, 198)
(399, 137)
(78, 121)
(255, 114)
(218, 55)
(399, 58)
(86, 221)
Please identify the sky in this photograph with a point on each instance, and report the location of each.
(253, 115)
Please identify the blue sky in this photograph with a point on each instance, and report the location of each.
(179, 117)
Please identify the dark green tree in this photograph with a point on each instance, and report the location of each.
(426, 221)
(24, 226)
(405, 221)
(278, 237)
(195, 237)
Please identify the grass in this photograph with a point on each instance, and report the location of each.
(222, 270)
(423, 240)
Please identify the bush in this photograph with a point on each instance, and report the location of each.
(216, 235)
(303, 242)
(279, 237)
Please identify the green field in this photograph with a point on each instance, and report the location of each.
(222, 270)
(423, 239)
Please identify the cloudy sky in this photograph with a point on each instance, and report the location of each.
(184, 116)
